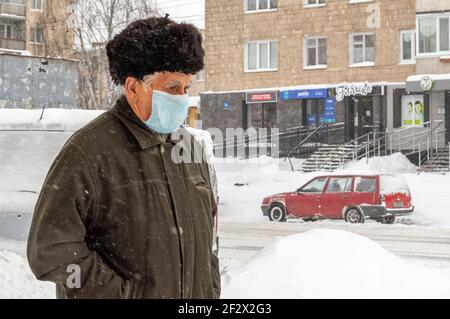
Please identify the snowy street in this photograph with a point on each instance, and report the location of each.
(426, 245)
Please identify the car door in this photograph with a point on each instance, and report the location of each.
(306, 203)
(337, 195)
(365, 190)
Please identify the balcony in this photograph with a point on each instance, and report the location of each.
(11, 44)
(12, 10)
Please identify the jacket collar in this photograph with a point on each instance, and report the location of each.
(144, 135)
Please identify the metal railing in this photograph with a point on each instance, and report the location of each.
(296, 142)
(368, 145)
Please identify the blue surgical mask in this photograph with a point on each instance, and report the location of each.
(169, 112)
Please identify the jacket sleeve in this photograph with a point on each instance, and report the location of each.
(56, 245)
(215, 254)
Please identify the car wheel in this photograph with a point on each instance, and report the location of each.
(388, 220)
(277, 213)
(354, 216)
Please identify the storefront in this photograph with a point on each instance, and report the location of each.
(364, 107)
(260, 110)
(316, 105)
(426, 100)
(361, 106)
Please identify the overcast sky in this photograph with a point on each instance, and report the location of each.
(192, 11)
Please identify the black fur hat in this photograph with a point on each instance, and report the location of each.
(155, 45)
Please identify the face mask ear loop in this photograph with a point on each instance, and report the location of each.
(135, 108)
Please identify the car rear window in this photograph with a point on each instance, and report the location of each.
(365, 185)
(391, 184)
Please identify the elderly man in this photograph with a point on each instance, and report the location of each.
(118, 217)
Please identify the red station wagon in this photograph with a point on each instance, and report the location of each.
(353, 198)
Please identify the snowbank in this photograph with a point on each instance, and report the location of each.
(18, 282)
(394, 164)
(53, 119)
(331, 264)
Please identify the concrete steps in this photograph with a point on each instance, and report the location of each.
(439, 162)
(329, 158)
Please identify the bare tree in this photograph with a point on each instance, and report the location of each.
(95, 23)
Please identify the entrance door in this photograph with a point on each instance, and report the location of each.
(262, 115)
(314, 111)
(364, 108)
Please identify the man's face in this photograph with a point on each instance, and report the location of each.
(139, 95)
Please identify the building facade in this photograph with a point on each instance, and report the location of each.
(36, 27)
(291, 63)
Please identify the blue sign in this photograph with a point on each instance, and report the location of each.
(226, 105)
(304, 94)
(330, 111)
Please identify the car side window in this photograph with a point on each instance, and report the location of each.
(316, 186)
(365, 185)
(339, 185)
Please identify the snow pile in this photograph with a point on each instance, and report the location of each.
(394, 164)
(331, 264)
(431, 198)
(18, 282)
(53, 119)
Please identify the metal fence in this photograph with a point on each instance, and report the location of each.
(299, 142)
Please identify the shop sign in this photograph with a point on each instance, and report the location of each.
(330, 111)
(353, 89)
(304, 94)
(427, 83)
(262, 97)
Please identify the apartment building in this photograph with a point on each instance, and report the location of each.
(432, 80)
(290, 63)
(36, 27)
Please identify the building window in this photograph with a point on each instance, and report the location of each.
(362, 49)
(313, 3)
(359, 1)
(413, 110)
(6, 31)
(261, 5)
(407, 46)
(261, 56)
(434, 34)
(37, 36)
(200, 76)
(37, 5)
(315, 53)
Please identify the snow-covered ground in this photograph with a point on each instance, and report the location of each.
(292, 252)
(243, 185)
(326, 263)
